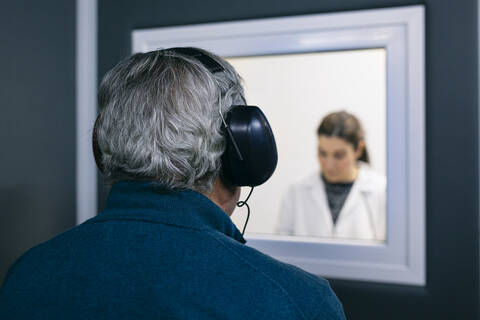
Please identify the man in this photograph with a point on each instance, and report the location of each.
(164, 247)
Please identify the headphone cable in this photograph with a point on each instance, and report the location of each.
(244, 203)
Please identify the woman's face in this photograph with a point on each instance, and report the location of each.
(338, 159)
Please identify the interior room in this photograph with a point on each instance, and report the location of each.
(406, 71)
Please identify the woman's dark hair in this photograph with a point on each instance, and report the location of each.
(345, 126)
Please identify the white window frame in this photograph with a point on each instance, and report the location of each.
(401, 32)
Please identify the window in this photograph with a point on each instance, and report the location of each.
(393, 40)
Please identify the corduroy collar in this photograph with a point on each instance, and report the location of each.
(149, 201)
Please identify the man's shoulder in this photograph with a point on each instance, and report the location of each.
(309, 294)
(43, 254)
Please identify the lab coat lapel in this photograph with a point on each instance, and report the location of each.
(351, 205)
(318, 195)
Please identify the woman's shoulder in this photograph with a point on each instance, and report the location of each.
(304, 183)
(371, 179)
(308, 181)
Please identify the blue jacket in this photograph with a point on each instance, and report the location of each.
(159, 254)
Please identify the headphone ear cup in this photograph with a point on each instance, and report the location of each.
(251, 154)
(97, 152)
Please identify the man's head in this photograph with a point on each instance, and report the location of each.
(160, 119)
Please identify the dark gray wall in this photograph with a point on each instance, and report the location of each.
(37, 123)
(452, 290)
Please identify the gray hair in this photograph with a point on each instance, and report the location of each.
(160, 119)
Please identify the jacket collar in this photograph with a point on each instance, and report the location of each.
(149, 201)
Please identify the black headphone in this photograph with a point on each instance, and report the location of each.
(250, 157)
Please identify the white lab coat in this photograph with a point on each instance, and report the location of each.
(305, 211)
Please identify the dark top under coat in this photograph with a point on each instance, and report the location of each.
(337, 194)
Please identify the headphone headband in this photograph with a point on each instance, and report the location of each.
(208, 62)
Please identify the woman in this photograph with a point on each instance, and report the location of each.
(346, 199)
